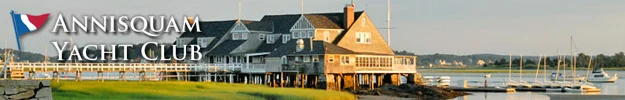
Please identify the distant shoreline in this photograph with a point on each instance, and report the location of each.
(495, 70)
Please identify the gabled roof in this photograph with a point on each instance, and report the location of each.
(266, 47)
(283, 23)
(266, 26)
(226, 47)
(319, 47)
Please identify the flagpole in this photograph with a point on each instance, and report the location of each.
(15, 29)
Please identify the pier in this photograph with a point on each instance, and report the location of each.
(203, 72)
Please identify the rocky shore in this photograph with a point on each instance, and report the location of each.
(411, 91)
(25, 89)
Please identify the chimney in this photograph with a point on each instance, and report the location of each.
(349, 15)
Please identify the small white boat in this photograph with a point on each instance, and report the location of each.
(511, 84)
(578, 88)
(568, 78)
(429, 80)
(487, 76)
(600, 76)
(444, 81)
(523, 84)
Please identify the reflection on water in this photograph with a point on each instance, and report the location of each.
(498, 78)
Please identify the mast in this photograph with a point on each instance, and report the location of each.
(388, 21)
(521, 68)
(588, 69)
(545, 69)
(239, 18)
(510, 70)
(538, 67)
(573, 62)
(558, 71)
(564, 68)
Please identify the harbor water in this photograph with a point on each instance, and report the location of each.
(497, 79)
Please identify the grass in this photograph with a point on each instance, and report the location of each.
(89, 90)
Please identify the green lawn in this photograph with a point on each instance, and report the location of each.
(184, 91)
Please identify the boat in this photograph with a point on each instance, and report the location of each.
(429, 80)
(487, 76)
(600, 76)
(444, 81)
(578, 88)
(568, 78)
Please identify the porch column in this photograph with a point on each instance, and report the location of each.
(247, 61)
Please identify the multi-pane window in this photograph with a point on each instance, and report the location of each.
(306, 58)
(374, 61)
(302, 34)
(261, 36)
(270, 39)
(363, 37)
(203, 42)
(286, 38)
(236, 36)
(344, 60)
(243, 36)
(315, 58)
(295, 35)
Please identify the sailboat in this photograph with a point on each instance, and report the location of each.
(578, 87)
(510, 83)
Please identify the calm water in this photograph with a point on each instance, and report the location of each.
(497, 79)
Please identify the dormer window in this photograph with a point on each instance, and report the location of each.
(270, 39)
(261, 36)
(286, 38)
(302, 34)
(236, 36)
(244, 36)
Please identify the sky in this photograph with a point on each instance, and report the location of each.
(463, 27)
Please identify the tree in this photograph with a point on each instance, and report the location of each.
(601, 60)
(619, 59)
(582, 60)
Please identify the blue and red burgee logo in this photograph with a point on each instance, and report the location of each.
(24, 23)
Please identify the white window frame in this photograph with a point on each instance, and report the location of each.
(345, 60)
(315, 58)
(286, 38)
(302, 34)
(236, 36)
(295, 35)
(363, 37)
(270, 39)
(202, 41)
(331, 58)
(326, 36)
(244, 36)
(311, 34)
(261, 36)
(284, 60)
(306, 58)
(296, 58)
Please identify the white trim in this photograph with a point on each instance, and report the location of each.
(306, 58)
(386, 71)
(257, 54)
(27, 22)
(298, 21)
(286, 38)
(261, 36)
